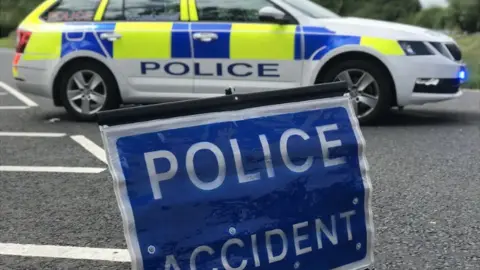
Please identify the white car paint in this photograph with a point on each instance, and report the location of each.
(384, 29)
(37, 77)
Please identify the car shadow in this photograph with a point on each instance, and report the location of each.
(60, 114)
(428, 117)
(395, 118)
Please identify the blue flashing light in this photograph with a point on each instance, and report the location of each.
(462, 74)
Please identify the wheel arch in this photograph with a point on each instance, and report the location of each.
(357, 54)
(71, 61)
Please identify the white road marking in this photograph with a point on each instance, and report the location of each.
(14, 107)
(91, 147)
(54, 169)
(65, 252)
(18, 95)
(31, 134)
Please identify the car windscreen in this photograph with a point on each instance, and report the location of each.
(311, 9)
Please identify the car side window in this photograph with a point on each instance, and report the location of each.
(142, 10)
(230, 10)
(71, 10)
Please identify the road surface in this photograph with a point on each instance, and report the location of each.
(425, 169)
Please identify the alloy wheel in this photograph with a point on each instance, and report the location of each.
(363, 90)
(86, 92)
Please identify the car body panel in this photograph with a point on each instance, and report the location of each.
(382, 29)
(156, 61)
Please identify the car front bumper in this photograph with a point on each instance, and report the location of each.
(425, 79)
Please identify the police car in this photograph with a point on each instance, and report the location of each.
(94, 55)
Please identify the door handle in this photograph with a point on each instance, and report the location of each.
(205, 37)
(110, 36)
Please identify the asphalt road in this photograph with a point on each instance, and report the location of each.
(425, 169)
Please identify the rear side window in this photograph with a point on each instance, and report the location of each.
(71, 10)
(230, 10)
(142, 10)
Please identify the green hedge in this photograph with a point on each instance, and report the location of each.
(470, 45)
(12, 12)
(9, 41)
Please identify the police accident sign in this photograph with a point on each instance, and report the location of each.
(273, 187)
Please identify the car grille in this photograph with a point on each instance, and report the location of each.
(454, 51)
(444, 86)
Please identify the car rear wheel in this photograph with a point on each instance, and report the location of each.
(86, 89)
(369, 88)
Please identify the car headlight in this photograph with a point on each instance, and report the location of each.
(415, 48)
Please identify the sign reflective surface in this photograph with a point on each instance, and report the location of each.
(273, 187)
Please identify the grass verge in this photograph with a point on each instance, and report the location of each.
(8, 42)
(470, 46)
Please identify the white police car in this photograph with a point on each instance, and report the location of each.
(93, 55)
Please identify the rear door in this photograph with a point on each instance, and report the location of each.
(151, 47)
(232, 47)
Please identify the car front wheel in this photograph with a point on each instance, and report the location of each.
(369, 88)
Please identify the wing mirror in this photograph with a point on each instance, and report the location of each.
(272, 14)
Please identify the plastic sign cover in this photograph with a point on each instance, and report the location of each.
(272, 187)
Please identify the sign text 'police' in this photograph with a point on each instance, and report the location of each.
(243, 177)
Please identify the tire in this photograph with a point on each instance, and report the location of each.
(381, 81)
(106, 91)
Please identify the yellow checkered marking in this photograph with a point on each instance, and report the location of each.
(384, 46)
(34, 16)
(262, 41)
(100, 10)
(46, 39)
(15, 72)
(192, 10)
(184, 10)
(45, 42)
(132, 44)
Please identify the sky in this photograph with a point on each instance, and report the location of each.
(427, 3)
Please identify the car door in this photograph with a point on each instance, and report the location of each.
(150, 44)
(232, 47)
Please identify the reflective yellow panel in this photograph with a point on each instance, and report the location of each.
(143, 40)
(385, 46)
(262, 41)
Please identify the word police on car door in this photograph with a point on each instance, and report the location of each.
(270, 187)
(218, 69)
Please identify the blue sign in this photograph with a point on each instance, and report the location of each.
(273, 187)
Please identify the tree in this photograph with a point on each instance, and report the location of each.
(12, 13)
(391, 10)
(465, 14)
(433, 18)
